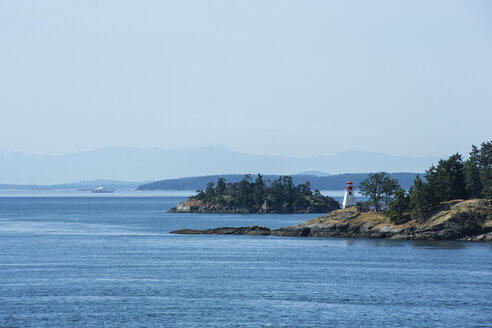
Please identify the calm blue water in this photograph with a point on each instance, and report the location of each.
(110, 262)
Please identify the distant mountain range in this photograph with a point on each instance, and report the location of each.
(132, 164)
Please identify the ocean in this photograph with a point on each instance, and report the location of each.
(85, 260)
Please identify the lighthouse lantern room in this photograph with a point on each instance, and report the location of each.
(349, 197)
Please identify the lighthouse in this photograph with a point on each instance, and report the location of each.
(349, 197)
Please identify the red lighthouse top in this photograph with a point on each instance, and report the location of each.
(348, 185)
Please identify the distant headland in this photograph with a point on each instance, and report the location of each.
(453, 201)
(278, 196)
(455, 220)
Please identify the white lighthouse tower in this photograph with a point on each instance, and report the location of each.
(349, 197)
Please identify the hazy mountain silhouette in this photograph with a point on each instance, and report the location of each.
(132, 164)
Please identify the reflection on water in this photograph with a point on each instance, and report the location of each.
(426, 244)
(441, 244)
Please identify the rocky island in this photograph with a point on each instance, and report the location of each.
(452, 202)
(454, 220)
(277, 196)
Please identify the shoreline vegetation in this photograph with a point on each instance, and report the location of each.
(452, 202)
(259, 196)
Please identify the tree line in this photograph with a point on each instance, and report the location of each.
(280, 195)
(332, 182)
(452, 178)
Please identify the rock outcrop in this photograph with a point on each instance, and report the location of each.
(454, 220)
(252, 230)
(199, 206)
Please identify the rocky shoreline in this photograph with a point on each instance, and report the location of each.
(200, 206)
(455, 220)
(252, 230)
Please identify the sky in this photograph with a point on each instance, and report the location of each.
(279, 77)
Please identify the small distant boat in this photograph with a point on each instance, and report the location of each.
(102, 190)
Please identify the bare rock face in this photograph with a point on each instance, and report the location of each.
(264, 208)
(200, 206)
(252, 230)
(454, 220)
(197, 206)
(482, 237)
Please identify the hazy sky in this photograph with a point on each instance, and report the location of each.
(281, 77)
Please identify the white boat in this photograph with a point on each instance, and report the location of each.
(102, 190)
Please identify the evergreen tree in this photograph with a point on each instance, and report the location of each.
(399, 206)
(317, 194)
(419, 199)
(288, 192)
(447, 180)
(302, 196)
(432, 186)
(243, 190)
(473, 180)
(486, 168)
(259, 190)
(221, 185)
(209, 191)
(231, 191)
(199, 194)
(304, 188)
